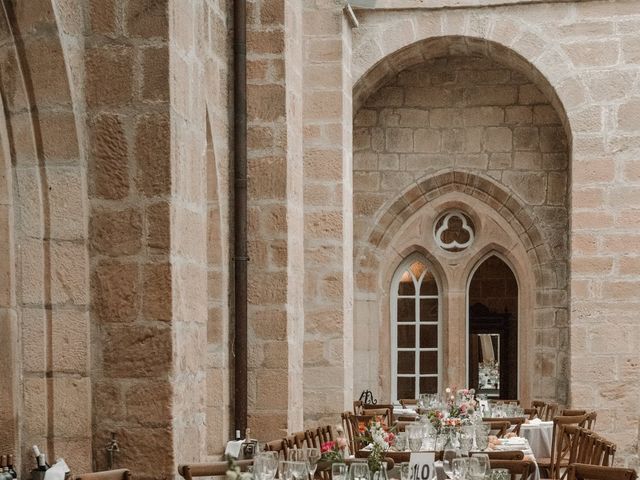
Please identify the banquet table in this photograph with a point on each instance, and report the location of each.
(404, 456)
(539, 436)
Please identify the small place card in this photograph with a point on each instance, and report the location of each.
(422, 465)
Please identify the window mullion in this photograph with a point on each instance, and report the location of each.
(417, 339)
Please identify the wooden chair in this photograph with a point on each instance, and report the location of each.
(383, 410)
(406, 402)
(498, 428)
(326, 433)
(120, 474)
(591, 420)
(279, 445)
(518, 468)
(561, 442)
(348, 427)
(514, 422)
(579, 471)
(546, 410)
(405, 418)
(531, 413)
(205, 469)
(572, 413)
(502, 455)
(297, 440)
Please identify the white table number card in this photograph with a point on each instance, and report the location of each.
(421, 465)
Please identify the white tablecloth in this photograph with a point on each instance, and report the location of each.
(539, 437)
(528, 451)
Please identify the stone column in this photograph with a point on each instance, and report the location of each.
(134, 262)
(328, 213)
(276, 267)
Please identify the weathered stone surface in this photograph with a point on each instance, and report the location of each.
(116, 64)
(116, 233)
(152, 152)
(116, 291)
(135, 351)
(108, 163)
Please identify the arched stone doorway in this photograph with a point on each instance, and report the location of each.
(492, 347)
(445, 125)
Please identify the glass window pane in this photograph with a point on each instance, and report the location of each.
(417, 268)
(406, 310)
(428, 310)
(428, 336)
(406, 286)
(406, 336)
(406, 362)
(406, 387)
(428, 384)
(428, 285)
(428, 362)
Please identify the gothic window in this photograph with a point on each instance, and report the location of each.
(415, 330)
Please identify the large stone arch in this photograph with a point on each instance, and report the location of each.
(482, 188)
(385, 44)
(44, 187)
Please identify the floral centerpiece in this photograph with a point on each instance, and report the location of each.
(458, 409)
(381, 438)
(334, 451)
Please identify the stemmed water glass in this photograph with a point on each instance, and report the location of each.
(265, 465)
(359, 471)
(480, 468)
(459, 467)
(312, 456)
(293, 470)
(339, 471)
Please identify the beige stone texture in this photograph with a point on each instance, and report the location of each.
(115, 209)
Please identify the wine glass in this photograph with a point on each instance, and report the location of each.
(339, 471)
(359, 471)
(459, 468)
(312, 455)
(294, 470)
(484, 464)
(265, 465)
(477, 468)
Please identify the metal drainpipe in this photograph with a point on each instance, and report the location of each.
(240, 211)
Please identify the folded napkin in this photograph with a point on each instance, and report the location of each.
(233, 448)
(57, 471)
(516, 441)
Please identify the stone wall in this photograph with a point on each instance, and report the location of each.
(471, 114)
(328, 209)
(276, 314)
(587, 52)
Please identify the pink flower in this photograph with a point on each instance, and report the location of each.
(327, 447)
